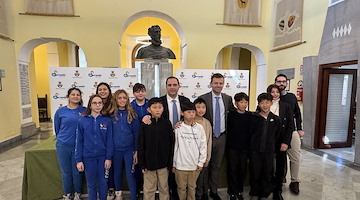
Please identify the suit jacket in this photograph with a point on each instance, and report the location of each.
(165, 114)
(287, 123)
(228, 105)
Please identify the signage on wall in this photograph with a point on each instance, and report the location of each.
(290, 73)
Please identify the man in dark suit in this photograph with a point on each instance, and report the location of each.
(172, 106)
(217, 106)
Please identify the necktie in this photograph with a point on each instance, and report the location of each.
(217, 118)
(175, 112)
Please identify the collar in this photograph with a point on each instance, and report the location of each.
(169, 99)
(214, 95)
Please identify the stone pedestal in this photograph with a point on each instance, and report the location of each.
(154, 73)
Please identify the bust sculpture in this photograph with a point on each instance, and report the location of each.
(155, 50)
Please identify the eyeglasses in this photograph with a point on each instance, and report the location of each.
(281, 81)
(97, 103)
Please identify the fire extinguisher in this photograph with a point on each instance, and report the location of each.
(299, 91)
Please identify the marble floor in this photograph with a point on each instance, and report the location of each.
(324, 175)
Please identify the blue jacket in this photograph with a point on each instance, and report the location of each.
(125, 133)
(65, 124)
(141, 111)
(94, 138)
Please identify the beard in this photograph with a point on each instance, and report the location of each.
(156, 41)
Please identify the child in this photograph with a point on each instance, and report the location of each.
(140, 103)
(189, 152)
(65, 123)
(126, 129)
(264, 129)
(238, 139)
(155, 150)
(202, 181)
(94, 148)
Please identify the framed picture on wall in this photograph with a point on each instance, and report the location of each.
(288, 85)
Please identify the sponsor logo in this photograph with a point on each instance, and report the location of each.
(56, 73)
(183, 86)
(241, 76)
(76, 85)
(227, 76)
(103, 126)
(92, 74)
(57, 96)
(95, 84)
(227, 85)
(198, 85)
(131, 85)
(128, 75)
(59, 85)
(182, 75)
(240, 86)
(77, 74)
(194, 95)
(112, 74)
(113, 86)
(196, 76)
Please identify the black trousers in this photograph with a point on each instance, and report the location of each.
(236, 170)
(280, 166)
(261, 174)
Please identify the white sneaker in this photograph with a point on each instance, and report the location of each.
(77, 196)
(67, 197)
(111, 194)
(118, 195)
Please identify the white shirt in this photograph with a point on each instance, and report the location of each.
(222, 112)
(170, 107)
(275, 107)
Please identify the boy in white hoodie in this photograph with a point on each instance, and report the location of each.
(189, 152)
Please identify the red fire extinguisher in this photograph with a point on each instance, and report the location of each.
(299, 91)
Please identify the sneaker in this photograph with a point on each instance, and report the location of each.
(111, 194)
(233, 197)
(118, 195)
(240, 196)
(294, 187)
(77, 196)
(67, 197)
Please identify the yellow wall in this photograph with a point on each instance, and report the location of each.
(62, 48)
(252, 89)
(98, 31)
(33, 90)
(226, 57)
(140, 28)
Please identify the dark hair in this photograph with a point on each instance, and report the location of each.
(108, 108)
(138, 87)
(88, 108)
(280, 75)
(241, 96)
(199, 101)
(264, 96)
(270, 87)
(216, 75)
(155, 100)
(172, 77)
(77, 89)
(187, 105)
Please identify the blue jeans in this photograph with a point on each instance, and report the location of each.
(69, 173)
(118, 159)
(95, 177)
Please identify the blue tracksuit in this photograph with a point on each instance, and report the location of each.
(125, 144)
(141, 111)
(65, 124)
(94, 145)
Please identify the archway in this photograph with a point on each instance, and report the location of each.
(27, 77)
(169, 20)
(258, 76)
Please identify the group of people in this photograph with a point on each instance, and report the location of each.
(175, 146)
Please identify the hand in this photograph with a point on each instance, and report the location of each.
(80, 166)
(198, 168)
(283, 147)
(144, 171)
(177, 125)
(147, 119)
(135, 158)
(107, 164)
(173, 169)
(206, 164)
(301, 133)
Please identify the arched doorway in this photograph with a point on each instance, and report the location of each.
(29, 77)
(239, 56)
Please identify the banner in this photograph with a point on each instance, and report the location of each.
(195, 82)
(288, 23)
(50, 7)
(242, 12)
(3, 21)
(87, 79)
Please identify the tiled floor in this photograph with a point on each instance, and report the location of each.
(324, 176)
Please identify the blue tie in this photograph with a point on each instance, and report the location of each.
(175, 113)
(217, 118)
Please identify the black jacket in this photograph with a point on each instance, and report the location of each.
(287, 124)
(291, 99)
(264, 133)
(156, 144)
(238, 130)
(165, 114)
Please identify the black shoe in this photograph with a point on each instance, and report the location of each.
(233, 197)
(277, 196)
(240, 196)
(205, 197)
(215, 196)
(294, 187)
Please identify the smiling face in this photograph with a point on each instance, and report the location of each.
(200, 109)
(275, 93)
(122, 100)
(74, 97)
(140, 95)
(172, 87)
(217, 84)
(103, 91)
(265, 105)
(281, 82)
(96, 105)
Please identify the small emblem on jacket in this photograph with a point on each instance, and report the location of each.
(271, 120)
(103, 126)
